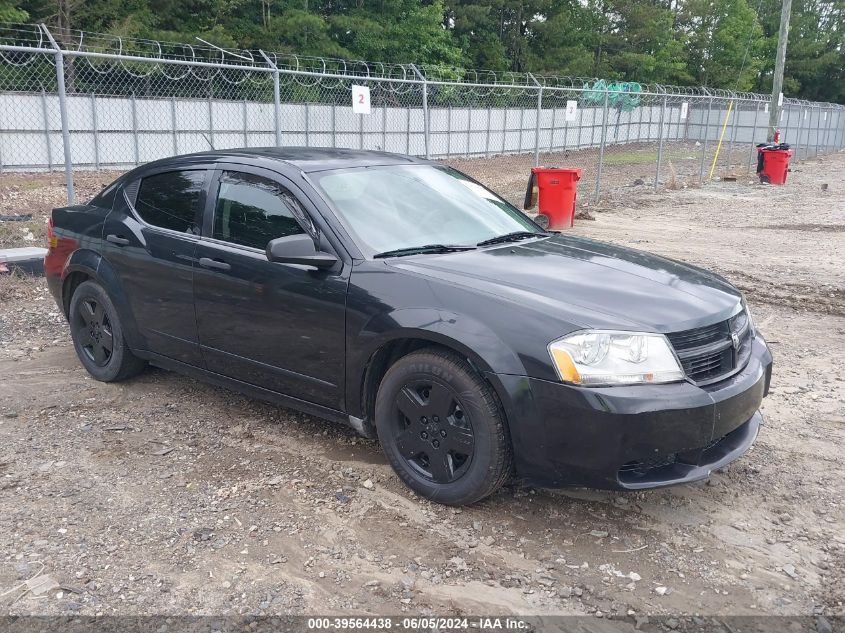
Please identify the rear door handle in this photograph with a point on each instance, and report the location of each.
(207, 262)
(117, 239)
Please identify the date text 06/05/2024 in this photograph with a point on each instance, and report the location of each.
(416, 623)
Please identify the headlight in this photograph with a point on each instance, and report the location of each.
(748, 316)
(602, 357)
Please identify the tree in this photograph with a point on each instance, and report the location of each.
(396, 31)
(720, 32)
(11, 13)
(648, 49)
(565, 42)
(815, 57)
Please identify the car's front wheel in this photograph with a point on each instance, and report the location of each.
(98, 337)
(442, 429)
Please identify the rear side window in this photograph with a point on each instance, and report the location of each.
(170, 200)
(105, 199)
(252, 210)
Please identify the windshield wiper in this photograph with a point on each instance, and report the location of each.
(512, 237)
(428, 248)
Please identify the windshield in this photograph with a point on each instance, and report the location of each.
(394, 207)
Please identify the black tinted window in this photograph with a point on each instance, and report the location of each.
(252, 210)
(105, 199)
(170, 200)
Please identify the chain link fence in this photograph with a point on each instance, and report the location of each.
(75, 100)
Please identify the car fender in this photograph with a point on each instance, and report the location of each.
(485, 350)
(98, 268)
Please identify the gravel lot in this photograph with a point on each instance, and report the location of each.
(163, 495)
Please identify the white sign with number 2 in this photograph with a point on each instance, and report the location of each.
(360, 99)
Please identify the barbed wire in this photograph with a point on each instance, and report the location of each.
(141, 58)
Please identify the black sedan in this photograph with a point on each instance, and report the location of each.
(407, 300)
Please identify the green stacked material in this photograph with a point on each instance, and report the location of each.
(622, 95)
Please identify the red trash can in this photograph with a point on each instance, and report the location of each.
(557, 192)
(775, 165)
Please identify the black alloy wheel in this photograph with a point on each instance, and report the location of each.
(98, 335)
(94, 332)
(442, 428)
(433, 431)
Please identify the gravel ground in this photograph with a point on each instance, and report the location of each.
(163, 495)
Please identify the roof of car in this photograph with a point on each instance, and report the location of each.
(308, 159)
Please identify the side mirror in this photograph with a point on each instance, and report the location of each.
(298, 249)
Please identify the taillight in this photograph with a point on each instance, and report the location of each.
(52, 240)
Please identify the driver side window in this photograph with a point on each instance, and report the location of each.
(252, 210)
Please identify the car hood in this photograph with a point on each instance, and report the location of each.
(588, 283)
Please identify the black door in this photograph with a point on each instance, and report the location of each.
(151, 237)
(277, 326)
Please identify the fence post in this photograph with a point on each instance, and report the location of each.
(826, 130)
(704, 144)
(334, 124)
(45, 115)
(210, 123)
(426, 122)
(449, 132)
(601, 147)
(384, 127)
(801, 113)
(505, 129)
(818, 130)
(60, 84)
(828, 122)
(735, 115)
(96, 132)
(753, 136)
(407, 130)
(487, 138)
(660, 142)
(307, 124)
(469, 128)
(246, 124)
(135, 128)
(277, 99)
(173, 125)
(537, 120)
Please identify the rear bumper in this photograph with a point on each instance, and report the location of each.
(633, 437)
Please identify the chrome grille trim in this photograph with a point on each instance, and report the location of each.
(713, 352)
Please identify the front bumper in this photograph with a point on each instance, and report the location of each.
(633, 437)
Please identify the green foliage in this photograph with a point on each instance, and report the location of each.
(816, 54)
(11, 13)
(716, 43)
(721, 31)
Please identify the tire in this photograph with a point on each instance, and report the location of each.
(440, 426)
(98, 335)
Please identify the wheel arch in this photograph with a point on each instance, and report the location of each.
(86, 265)
(484, 352)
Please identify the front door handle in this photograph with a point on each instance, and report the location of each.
(207, 262)
(117, 239)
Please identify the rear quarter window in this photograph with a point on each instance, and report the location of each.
(105, 199)
(171, 200)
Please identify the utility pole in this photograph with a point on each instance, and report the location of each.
(780, 62)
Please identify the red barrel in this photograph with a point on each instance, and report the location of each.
(557, 192)
(775, 165)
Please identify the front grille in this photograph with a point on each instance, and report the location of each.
(713, 352)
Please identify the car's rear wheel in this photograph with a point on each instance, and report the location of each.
(98, 335)
(442, 429)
